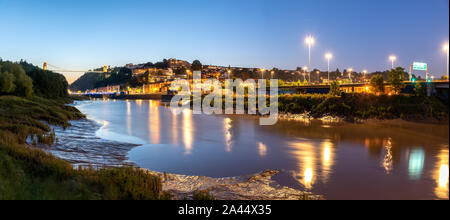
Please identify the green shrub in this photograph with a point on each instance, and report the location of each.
(365, 106)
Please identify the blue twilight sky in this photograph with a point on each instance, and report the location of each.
(361, 34)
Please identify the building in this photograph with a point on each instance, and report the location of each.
(176, 64)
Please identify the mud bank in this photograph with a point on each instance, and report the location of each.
(248, 187)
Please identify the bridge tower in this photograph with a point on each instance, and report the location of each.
(45, 66)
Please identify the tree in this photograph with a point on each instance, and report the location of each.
(197, 65)
(396, 78)
(7, 83)
(23, 85)
(335, 89)
(420, 89)
(377, 83)
(46, 84)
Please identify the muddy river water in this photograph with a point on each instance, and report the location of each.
(384, 160)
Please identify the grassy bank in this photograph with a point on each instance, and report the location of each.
(366, 106)
(30, 173)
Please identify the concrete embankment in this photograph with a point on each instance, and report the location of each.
(134, 97)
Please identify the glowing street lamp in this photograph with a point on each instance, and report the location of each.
(445, 48)
(310, 42)
(365, 73)
(328, 56)
(350, 74)
(393, 59)
(262, 72)
(305, 69)
(229, 74)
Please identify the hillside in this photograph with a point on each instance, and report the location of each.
(85, 82)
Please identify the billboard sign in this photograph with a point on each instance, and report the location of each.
(420, 66)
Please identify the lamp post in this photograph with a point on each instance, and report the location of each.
(318, 76)
(309, 41)
(365, 73)
(304, 73)
(350, 74)
(446, 50)
(328, 56)
(393, 59)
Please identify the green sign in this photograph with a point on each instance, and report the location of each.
(420, 66)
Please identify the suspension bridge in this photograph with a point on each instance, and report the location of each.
(62, 70)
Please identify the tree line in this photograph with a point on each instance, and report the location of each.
(25, 80)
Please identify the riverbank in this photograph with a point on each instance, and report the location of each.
(365, 107)
(32, 174)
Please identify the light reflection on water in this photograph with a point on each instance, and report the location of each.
(174, 128)
(188, 131)
(441, 175)
(310, 169)
(228, 134)
(262, 149)
(390, 161)
(153, 122)
(416, 163)
(129, 118)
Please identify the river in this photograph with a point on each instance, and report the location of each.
(384, 160)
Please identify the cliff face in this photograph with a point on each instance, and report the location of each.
(85, 82)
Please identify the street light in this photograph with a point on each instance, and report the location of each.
(393, 59)
(262, 72)
(305, 69)
(445, 48)
(309, 41)
(328, 56)
(365, 73)
(229, 74)
(350, 74)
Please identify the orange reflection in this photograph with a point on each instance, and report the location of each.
(228, 134)
(188, 131)
(262, 149)
(153, 122)
(388, 158)
(327, 159)
(174, 128)
(441, 175)
(304, 152)
(315, 161)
